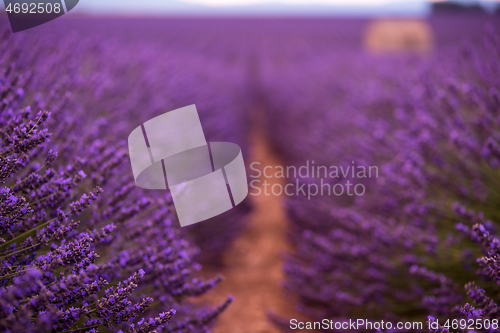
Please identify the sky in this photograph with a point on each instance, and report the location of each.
(264, 7)
(298, 2)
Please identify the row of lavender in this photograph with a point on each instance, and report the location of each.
(422, 240)
(81, 247)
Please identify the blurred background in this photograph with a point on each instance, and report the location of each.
(402, 85)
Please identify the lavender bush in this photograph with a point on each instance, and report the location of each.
(82, 248)
(429, 123)
(171, 77)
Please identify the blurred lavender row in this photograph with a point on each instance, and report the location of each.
(422, 242)
(83, 249)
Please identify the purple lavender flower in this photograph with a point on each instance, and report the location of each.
(81, 248)
(430, 124)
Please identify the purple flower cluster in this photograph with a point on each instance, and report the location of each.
(430, 124)
(155, 76)
(81, 248)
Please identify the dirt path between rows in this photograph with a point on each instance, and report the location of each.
(253, 265)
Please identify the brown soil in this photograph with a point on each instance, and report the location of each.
(253, 265)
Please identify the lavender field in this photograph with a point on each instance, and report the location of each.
(83, 249)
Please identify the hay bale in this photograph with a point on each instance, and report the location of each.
(395, 35)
